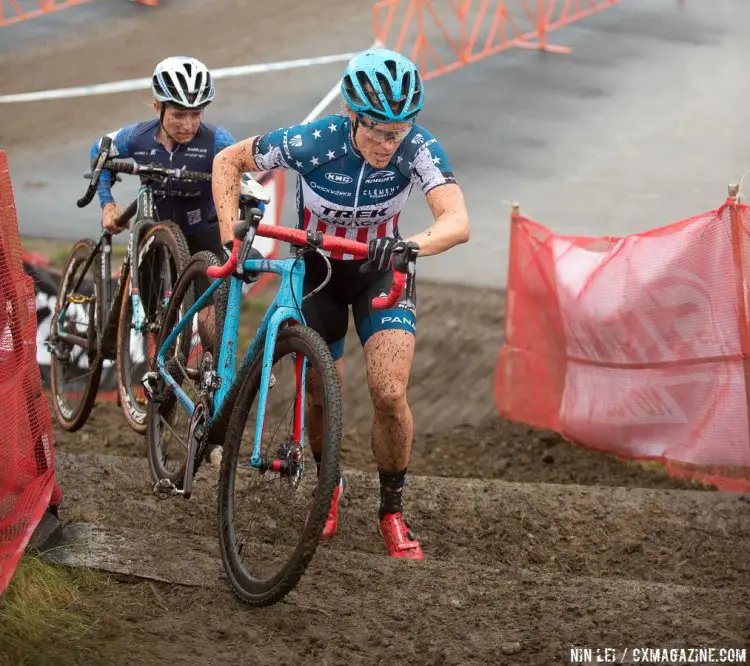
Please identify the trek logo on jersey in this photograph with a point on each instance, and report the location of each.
(339, 177)
(359, 214)
(380, 177)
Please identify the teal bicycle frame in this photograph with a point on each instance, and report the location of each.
(285, 306)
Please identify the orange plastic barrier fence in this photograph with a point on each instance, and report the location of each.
(14, 11)
(443, 35)
(27, 478)
(637, 346)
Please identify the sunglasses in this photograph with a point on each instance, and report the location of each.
(372, 130)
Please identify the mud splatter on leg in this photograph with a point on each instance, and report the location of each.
(389, 356)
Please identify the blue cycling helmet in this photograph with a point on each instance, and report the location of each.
(383, 85)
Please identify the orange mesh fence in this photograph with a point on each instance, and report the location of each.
(13, 11)
(637, 346)
(443, 35)
(27, 482)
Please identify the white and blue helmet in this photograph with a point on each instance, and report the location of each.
(383, 85)
(184, 82)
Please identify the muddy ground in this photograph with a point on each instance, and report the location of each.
(532, 544)
(514, 574)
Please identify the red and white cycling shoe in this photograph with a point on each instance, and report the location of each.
(400, 541)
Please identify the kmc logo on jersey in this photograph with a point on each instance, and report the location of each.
(380, 177)
(338, 177)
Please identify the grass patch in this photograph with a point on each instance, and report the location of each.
(57, 251)
(60, 257)
(43, 615)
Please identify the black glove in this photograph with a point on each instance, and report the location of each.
(382, 251)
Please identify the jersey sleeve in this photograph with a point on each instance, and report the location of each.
(297, 147)
(427, 160)
(222, 140)
(120, 148)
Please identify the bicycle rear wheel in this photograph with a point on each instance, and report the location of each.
(193, 352)
(76, 370)
(163, 253)
(298, 534)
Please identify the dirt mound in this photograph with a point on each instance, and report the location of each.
(515, 573)
(552, 529)
(499, 449)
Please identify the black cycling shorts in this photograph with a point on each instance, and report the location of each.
(327, 312)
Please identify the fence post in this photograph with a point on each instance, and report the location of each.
(542, 22)
(505, 360)
(740, 264)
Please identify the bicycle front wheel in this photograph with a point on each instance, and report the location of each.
(162, 255)
(271, 518)
(76, 367)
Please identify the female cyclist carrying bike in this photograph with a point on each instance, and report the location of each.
(355, 174)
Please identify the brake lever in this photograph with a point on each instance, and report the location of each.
(411, 270)
(245, 231)
(101, 158)
(402, 261)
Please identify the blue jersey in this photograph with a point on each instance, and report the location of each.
(338, 192)
(193, 210)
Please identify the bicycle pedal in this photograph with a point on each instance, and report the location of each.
(78, 299)
(164, 487)
(149, 383)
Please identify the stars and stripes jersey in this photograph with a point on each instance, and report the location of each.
(338, 192)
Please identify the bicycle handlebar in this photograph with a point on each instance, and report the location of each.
(316, 239)
(157, 170)
(135, 169)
